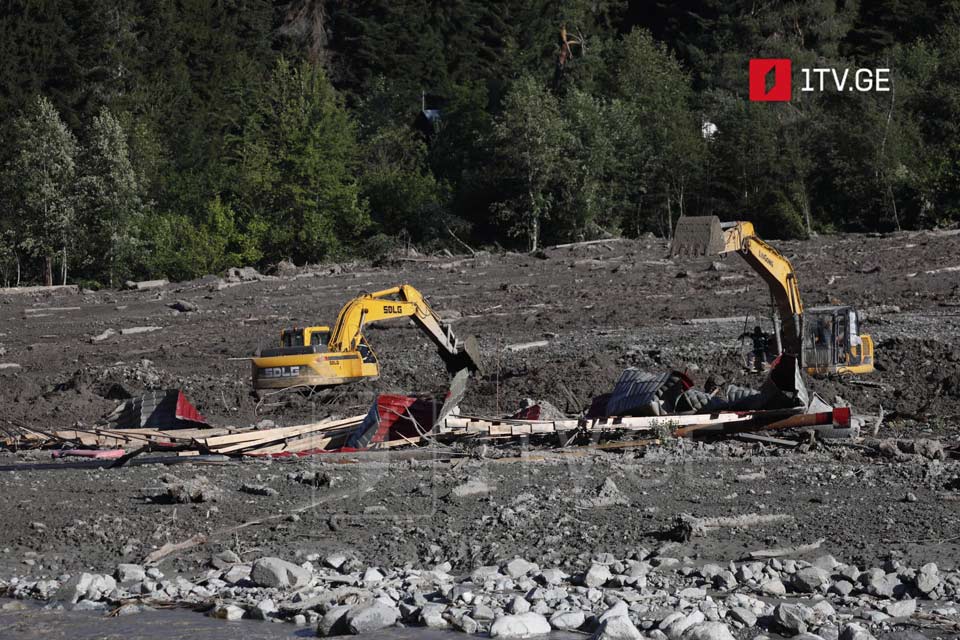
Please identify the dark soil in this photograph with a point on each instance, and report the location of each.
(602, 308)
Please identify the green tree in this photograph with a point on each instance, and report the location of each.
(44, 170)
(403, 194)
(110, 195)
(666, 151)
(296, 160)
(530, 137)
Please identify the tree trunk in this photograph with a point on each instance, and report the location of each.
(534, 230)
(893, 204)
(63, 269)
(48, 270)
(17, 256)
(805, 207)
(669, 216)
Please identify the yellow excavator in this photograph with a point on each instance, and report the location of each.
(319, 357)
(825, 339)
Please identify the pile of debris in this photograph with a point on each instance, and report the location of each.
(656, 406)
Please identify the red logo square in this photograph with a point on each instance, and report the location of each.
(760, 69)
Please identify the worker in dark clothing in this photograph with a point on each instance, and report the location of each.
(760, 342)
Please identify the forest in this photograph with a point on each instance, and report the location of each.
(176, 138)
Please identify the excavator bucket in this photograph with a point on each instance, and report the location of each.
(697, 236)
(467, 357)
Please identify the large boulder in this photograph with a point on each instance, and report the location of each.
(708, 631)
(371, 617)
(334, 621)
(810, 580)
(597, 575)
(617, 628)
(279, 574)
(568, 620)
(524, 625)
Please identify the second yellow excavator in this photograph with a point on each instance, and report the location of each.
(319, 357)
(825, 339)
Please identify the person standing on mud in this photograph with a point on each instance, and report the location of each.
(760, 342)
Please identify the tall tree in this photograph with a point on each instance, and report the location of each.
(530, 137)
(44, 168)
(109, 193)
(296, 161)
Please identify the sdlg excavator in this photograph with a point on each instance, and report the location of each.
(825, 339)
(319, 357)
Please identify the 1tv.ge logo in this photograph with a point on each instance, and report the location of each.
(771, 79)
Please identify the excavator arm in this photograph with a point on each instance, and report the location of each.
(706, 235)
(402, 301)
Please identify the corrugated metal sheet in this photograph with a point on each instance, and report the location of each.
(393, 416)
(635, 391)
(166, 409)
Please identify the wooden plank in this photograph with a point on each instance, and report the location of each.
(272, 439)
(281, 432)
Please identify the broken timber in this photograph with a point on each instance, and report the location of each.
(460, 425)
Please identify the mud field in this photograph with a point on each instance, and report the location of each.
(601, 308)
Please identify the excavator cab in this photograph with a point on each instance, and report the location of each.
(306, 337)
(832, 342)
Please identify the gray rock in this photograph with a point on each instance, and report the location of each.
(854, 631)
(519, 567)
(89, 586)
(183, 306)
(258, 489)
(597, 575)
(237, 573)
(791, 618)
(708, 631)
(568, 620)
(901, 608)
(810, 580)
(431, 615)
(372, 576)
(617, 628)
(483, 613)
(473, 487)
(467, 624)
(280, 574)
(678, 626)
(524, 625)
(880, 584)
(842, 588)
(371, 617)
(519, 605)
(335, 560)
(725, 581)
(608, 495)
(692, 593)
(131, 609)
(551, 577)
(827, 563)
(264, 609)
(928, 579)
(127, 573)
(619, 608)
(229, 612)
(334, 621)
(773, 587)
(89, 605)
(225, 559)
(743, 615)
